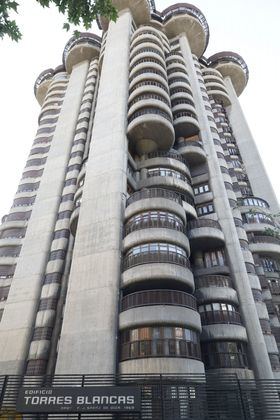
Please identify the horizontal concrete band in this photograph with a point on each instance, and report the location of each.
(158, 271)
(160, 314)
(223, 332)
(161, 365)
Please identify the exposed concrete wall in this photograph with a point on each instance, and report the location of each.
(19, 315)
(239, 274)
(255, 169)
(89, 331)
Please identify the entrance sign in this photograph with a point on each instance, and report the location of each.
(106, 399)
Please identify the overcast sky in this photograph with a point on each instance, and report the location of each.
(248, 27)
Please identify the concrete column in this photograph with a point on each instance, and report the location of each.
(255, 169)
(261, 363)
(21, 307)
(88, 340)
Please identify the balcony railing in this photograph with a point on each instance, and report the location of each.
(200, 223)
(213, 280)
(152, 222)
(167, 155)
(158, 297)
(220, 317)
(264, 239)
(155, 257)
(190, 143)
(154, 193)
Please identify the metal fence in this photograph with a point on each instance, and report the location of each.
(163, 397)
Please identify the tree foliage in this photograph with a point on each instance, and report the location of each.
(77, 12)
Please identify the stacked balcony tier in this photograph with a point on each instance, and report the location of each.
(183, 108)
(150, 123)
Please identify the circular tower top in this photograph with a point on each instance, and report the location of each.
(184, 17)
(85, 46)
(42, 83)
(140, 10)
(233, 65)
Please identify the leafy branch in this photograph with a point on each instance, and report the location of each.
(77, 12)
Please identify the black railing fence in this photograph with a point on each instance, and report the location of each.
(163, 397)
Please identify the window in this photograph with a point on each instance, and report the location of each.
(166, 172)
(159, 341)
(236, 163)
(156, 247)
(205, 209)
(270, 264)
(251, 201)
(154, 219)
(214, 258)
(224, 354)
(254, 217)
(200, 189)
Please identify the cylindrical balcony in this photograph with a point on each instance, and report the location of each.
(167, 178)
(205, 234)
(157, 262)
(154, 199)
(158, 347)
(188, 19)
(139, 9)
(86, 46)
(191, 150)
(149, 307)
(225, 355)
(150, 125)
(232, 65)
(215, 288)
(265, 244)
(42, 84)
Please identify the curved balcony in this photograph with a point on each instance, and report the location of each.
(143, 102)
(265, 244)
(139, 9)
(232, 65)
(205, 233)
(221, 331)
(168, 221)
(225, 355)
(150, 129)
(211, 270)
(165, 365)
(154, 234)
(215, 288)
(165, 160)
(84, 47)
(184, 17)
(158, 268)
(168, 344)
(185, 121)
(155, 257)
(149, 308)
(218, 92)
(167, 178)
(192, 151)
(220, 317)
(158, 297)
(143, 37)
(170, 155)
(154, 199)
(42, 84)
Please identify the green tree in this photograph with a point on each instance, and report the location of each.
(77, 12)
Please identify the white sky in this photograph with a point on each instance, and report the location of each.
(248, 27)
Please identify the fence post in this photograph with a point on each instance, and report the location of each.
(162, 397)
(2, 395)
(241, 397)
